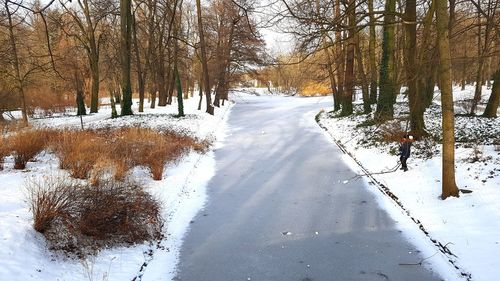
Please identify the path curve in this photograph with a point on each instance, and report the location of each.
(278, 209)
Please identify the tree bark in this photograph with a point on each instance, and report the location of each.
(94, 69)
(141, 75)
(126, 38)
(493, 101)
(180, 102)
(482, 51)
(364, 81)
(80, 102)
(204, 63)
(15, 62)
(372, 57)
(340, 58)
(416, 109)
(449, 186)
(385, 108)
(349, 71)
(331, 75)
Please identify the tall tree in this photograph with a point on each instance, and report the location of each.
(88, 23)
(177, 28)
(141, 72)
(416, 106)
(204, 62)
(362, 77)
(16, 64)
(449, 186)
(340, 57)
(349, 65)
(372, 57)
(385, 109)
(125, 49)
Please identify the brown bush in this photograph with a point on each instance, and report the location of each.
(25, 145)
(96, 154)
(50, 199)
(81, 219)
(4, 150)
(78, 152)
(149, 148)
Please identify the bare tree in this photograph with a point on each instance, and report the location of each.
(449, 186)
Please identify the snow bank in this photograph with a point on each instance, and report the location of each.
(470, 225)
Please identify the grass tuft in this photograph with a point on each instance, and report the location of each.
(25, 145)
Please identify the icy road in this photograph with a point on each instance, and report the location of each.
(279, 209)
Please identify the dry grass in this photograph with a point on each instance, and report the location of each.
(50, 199)
(78, 151)
(25, 145)
(4, 150)
(313, 89)
(97, 154)
(81, 219)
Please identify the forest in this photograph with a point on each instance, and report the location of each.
(105, 51)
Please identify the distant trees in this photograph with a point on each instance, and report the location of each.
(422, 45)
(154, 48)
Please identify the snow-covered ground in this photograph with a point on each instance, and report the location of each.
(23, 252)
(468, 226)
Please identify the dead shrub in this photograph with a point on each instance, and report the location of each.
(80, 219)
(25, 145)
(78, 152)
(50, 199)
(152, 149)
(96, 154)
(119, 209)
(4, 150)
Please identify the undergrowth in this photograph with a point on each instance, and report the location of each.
(92, 154)
(80, 219)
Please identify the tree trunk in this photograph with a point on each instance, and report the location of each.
(464, 67)
(15, 61)
(385, 108)
(180, 102)
(80, 102)
(94, 69)
(349, 66)
(449, 186)
(372, 57)
(340, 58)
(200, 93)
(482, 51)
(331, 75)
(140, 74)
(126, 38)
(114, 113)
(153, 96)
(479, 85)
(416, 109)
(364, 81)
(427, 63)
(204, 63)
(493, 101)
(171, 86)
